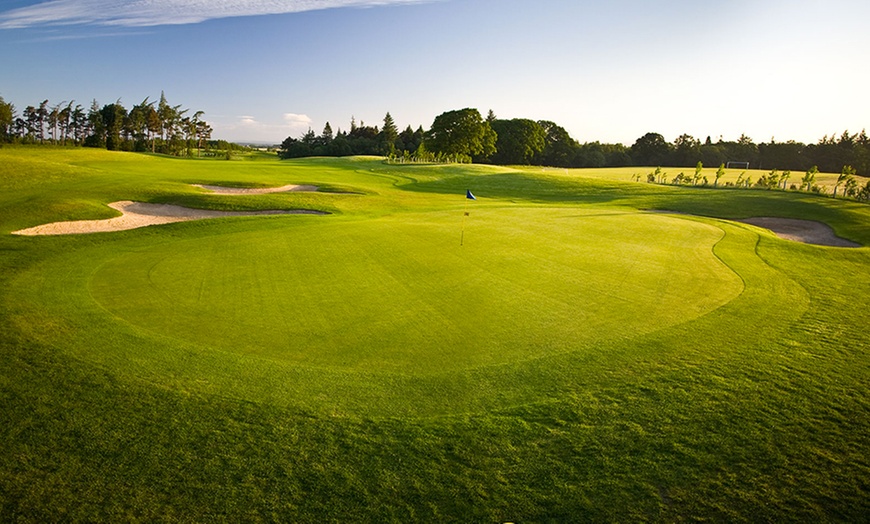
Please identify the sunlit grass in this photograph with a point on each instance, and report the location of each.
(578, 358)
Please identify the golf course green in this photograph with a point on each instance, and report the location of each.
(570, 346)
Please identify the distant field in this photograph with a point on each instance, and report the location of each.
(578, 358)
(826, 180)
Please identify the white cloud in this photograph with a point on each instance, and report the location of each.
(247, 128)
(297, 121)
(139, 13)
(291, 122)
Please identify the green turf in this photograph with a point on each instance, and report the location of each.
(578, 358)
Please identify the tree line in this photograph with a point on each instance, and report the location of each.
(155, 126)
(829, 154)
(455, 136)
(465, 136)
(359, 140)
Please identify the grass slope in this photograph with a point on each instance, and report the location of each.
(577, 359)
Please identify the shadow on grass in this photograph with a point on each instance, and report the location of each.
(847, 218)
(518, 186)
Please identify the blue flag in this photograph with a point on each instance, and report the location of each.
(468, 195)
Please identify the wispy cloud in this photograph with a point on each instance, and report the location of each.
(82, 36)
(297, 121)
(142, 13)
(248, 128)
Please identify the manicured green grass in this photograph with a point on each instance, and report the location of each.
(578, 358)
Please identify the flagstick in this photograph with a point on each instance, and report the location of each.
(464, 214)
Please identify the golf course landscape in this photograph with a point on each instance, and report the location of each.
(573, 345)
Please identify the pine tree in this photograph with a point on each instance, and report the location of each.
(388, 137)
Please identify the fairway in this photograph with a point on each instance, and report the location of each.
(578, 357)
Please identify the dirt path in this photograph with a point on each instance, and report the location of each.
(138, 214)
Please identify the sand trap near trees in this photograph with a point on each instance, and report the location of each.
(221, 190)
(139, 214)
(806, 231)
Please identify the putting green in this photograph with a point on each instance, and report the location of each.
(400, 295)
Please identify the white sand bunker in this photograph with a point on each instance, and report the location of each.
(221, 190)
(807, 231)
(138, 214)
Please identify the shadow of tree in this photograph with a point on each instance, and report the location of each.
(518, 186)
(533, 188)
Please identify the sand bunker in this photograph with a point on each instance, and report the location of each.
(138, 214)
(807, 231)
(221, 190)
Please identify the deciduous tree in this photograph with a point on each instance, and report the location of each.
(559, 148)
(845, 174)
(519, 141)
(461, 133)
(649, 150)
(809, 178)
(719, 174)
(687, 151)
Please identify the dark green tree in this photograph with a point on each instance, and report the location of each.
(167, 116)
(616, 155)
(862, 153)
(137, 125)
(650, 150)
(388, 135)
(363, 139)
(65, 121)
(78, 124)
(745, 150)
(559, 148)
(590, 154)
(519, 141)
(96, 127)
(461, 133)
(54, 121)
(789, 155)
(113, 116)
(203, 133)
(712, 155)
(686, 152)
(41, 117)
(154, 124)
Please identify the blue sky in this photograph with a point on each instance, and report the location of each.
(263, 70)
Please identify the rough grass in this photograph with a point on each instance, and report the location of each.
(577, 359)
